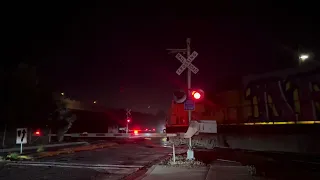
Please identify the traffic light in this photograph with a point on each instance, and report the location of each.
(197, 94)
(179, 96)
(128, 120)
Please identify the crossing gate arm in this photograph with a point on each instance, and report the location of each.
(201, 126)
(118, 135)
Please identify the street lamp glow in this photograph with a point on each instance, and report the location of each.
(94, 102)
(303, 57)
(62, 94)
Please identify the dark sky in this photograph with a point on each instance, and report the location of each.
(116, 53)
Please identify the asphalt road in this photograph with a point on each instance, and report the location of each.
(109, 163)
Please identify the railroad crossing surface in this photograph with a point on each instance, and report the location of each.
(109, 163)
(138, 159)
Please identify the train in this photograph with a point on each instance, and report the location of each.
(286, 100)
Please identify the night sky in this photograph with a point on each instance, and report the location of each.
(116, 53)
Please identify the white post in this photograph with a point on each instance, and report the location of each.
(4, 135)
(49, 136)
(190, 151)
(21, 148)
(173, 154)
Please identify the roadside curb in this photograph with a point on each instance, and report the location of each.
(147, 173)
(9, 150)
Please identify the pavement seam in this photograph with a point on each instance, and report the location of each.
(147, 173)
(136, 175)
(208, 172)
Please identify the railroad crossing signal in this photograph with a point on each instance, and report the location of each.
(21, 136)
(186, 63)
(128, 113)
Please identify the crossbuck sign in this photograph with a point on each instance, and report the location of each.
(186, 63)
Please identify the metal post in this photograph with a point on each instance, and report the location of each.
(173, 154)
(21, 148)
(266, 102)
(190, 151)
(127, 130)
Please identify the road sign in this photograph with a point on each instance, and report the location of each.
(186, 63)
(21, 136)
(189, 105)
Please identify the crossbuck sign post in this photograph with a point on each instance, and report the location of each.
(187, 64)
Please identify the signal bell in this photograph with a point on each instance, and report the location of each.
(179, 96)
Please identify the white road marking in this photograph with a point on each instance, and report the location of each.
(111, 170)
(73, 165)
(224, 160)
(308, 162)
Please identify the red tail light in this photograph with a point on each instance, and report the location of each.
(153, 129)
(135, 132)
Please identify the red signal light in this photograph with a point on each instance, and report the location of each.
(37, 133)
(197, 94)
(128, 120)
(135, 132)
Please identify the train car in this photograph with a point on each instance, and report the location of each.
(281, 96)
(287, 99)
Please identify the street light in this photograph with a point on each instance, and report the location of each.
(62, 94)
(94, 102)
(303, 57)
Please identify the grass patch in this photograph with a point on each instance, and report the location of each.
(17, 157)
(40, 149)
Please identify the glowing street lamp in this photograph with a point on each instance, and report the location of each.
(62, 94)
(303, 57)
